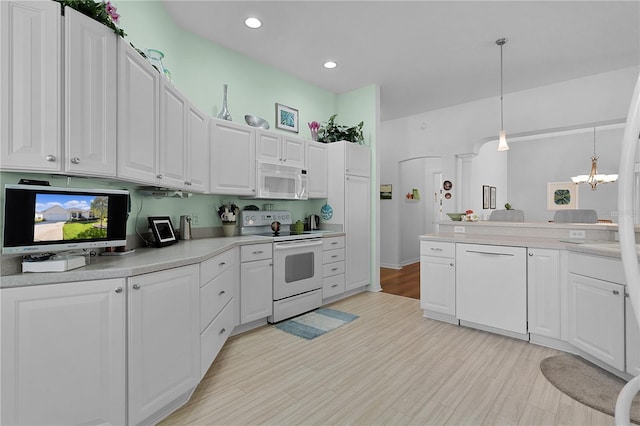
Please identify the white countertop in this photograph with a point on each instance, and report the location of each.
(143, 261)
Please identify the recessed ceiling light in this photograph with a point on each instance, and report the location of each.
(330, 64)
(253, 22)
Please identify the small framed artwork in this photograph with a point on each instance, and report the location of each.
(492, 197)
(286, 118)
(486, 197)
(162, 230)
(447, 185)
(385, 192)
(562, 196)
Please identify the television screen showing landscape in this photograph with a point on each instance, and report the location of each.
(64, 217)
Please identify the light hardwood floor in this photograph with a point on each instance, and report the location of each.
(390, 366)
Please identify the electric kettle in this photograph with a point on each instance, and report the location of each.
(313, 222)
(185, 227)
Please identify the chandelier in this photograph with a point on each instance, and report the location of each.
(594, 178)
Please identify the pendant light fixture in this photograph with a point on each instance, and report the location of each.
(594, 178)
(502, 143)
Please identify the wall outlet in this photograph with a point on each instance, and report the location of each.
(574, 233)
(458, 229)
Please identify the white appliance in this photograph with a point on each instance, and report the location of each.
(297, 262)
(626, 230)
(276, 181)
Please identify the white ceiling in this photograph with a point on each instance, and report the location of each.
(424, 54)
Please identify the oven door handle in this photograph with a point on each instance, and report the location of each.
(290, 245)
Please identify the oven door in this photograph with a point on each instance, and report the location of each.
(297, 267)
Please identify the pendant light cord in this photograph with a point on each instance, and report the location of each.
(501, 90)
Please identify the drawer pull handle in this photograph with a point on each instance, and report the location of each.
(221, 264)
(335, 285)
(258, 252)
(221, 292)
(335, 255)
(222, 331)
(334, 269)
(616, 292)
(436, 249)
(334, 243)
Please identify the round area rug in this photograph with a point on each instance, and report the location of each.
(587, 383)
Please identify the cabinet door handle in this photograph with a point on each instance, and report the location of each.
(50, 158)
(221, 292)
(158, 176)
(530, 254)
(75, 160)
(616, 292)
(451, 264)
(136, 286)
(222, 331)
(118, 290)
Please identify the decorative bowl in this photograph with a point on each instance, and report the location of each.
(254, 121)
(456, 216)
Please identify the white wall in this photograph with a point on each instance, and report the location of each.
(464, 129)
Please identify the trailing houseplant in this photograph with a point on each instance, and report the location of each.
(103, 11)
(332, 132)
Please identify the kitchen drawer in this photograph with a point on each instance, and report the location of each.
(256, 252)
(602, 268)
(213, 337)
(332, 269)
(437, 249)
(333, 285)
(211, 268)
(330, 256)
(332, 243)
(214, 295)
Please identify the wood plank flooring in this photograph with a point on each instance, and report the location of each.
(390, 366)
(402, 282)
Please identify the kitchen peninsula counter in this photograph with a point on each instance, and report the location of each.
(143, 261)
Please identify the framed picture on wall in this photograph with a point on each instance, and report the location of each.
(562, 196)
(385, 192)
(286, 118)
(492, 196)
(485, 197)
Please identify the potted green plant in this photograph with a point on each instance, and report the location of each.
(103, 11)
(332, 132)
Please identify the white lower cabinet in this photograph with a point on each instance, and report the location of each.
(544, 296)
(63, 354)
(438, 277)
(333, 266)
(164, 342)
(256, 282)
(632, 340)
(600, 335)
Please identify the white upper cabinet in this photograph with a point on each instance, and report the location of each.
(317, 156)
(357, 160)
(280, 149)
(138, 112)
(233, 158)
(173, 131)
(197, 170)
(30, 86)
(90, 92)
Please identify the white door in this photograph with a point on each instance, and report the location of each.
(544, 296)
(233, 165)
(358, 231)
(438, 284)
(599, 335)
(138, 112)
(164, 341)
(173, 133)
(90, 89)
(317, 158)
(256, 294)
(63, 354)
(197, 150)
(30, 86)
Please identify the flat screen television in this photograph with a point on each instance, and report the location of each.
(47, 219)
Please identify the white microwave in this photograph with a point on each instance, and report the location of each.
(276, 181)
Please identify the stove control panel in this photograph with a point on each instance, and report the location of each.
(265, 217)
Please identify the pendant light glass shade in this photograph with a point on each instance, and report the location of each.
(594, 178)
(502, 143)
